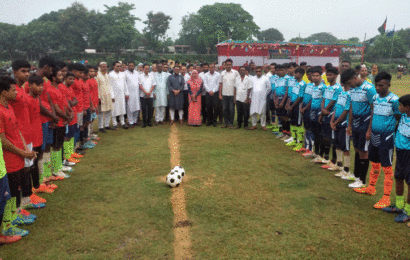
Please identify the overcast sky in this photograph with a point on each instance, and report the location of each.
(342, 18)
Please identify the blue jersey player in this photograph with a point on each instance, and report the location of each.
(305, 111)
(402, 171)
(294, 104)
(385, 113)
(330, 94)
(339, 123)
(360, 116)
(280, 95)
(315, 112)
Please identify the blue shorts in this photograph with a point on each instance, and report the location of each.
(342, 140)
(381, 149)
(281, 112)
(402, 171)
(296, 116)
(306, 120)
(4, 193)
(359, 131)
(327, 131)
(48, 137)
(314, 114)
(71, 129)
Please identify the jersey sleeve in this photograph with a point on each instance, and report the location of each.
(371, 92)
(302, 89)
(395, 102)
(336, 94)
(348, 102)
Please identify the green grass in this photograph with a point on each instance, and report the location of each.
(401, 87)
(112, 207)
(252, 198)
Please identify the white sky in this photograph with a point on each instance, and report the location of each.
(342, 18)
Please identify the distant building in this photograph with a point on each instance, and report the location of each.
(90, 51)
(314, 53)
(182, 48)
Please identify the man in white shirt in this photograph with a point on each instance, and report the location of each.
(260, 88)
(212, 80)
(187, 76)
(160, 94)
(226, 90)
(119, 94)
(243, 87)
(105, 98)
(147, 86)
(204, 68)
(133, 104)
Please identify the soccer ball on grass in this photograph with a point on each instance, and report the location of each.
(174, 178)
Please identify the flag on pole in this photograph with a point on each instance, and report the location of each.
(382, 29)
(390, 33)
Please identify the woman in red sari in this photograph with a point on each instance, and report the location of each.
(195, 86)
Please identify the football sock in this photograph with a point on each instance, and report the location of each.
(334, 154)
(13, 208)
(301, 134)
(67, 150)
(374, 174)
(364, 167)
(388, 180)
(46, 165)
(85, 133)
(7, 215)
(399, 202)
(40, 164)
(407, 208)
(346, 163)
(339, 157)
(293, 130)
(72, 145)
(356, 170)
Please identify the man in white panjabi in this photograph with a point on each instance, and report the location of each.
(160, 94)
(133, 104)
(119, 94)
(260, 88)
(105, 98)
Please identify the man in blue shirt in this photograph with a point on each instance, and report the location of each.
(305, 111)
(402, 171)
(360, 115)
(385, 111)
(330, 95)
(293, 107)
(315, 112)
(280, 95)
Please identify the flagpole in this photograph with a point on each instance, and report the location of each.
(392, 41)
(364, 46)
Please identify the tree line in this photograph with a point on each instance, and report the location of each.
(76, 28)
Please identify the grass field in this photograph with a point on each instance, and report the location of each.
(248, 197)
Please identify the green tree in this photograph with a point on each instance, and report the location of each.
(317, 37)
(220, 20)
(8, 38)
(271, 35)
(190, 32)
(156, 26)
(116, 29)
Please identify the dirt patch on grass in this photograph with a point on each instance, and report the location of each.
(182, 243)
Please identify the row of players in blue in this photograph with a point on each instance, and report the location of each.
(373, 117)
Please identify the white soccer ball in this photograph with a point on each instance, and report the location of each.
(180, 170)
(174, 178)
